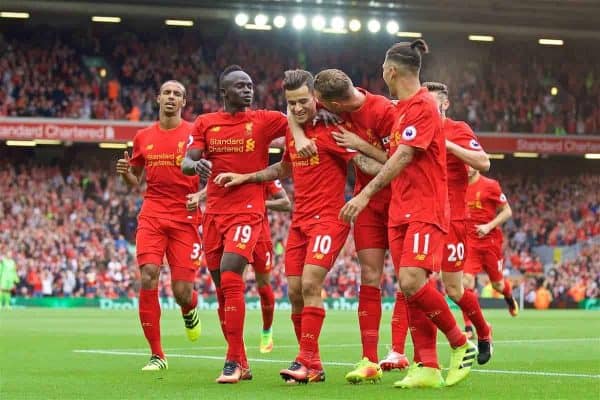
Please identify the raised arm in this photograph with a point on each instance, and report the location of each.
(367, 165)
(131, 174)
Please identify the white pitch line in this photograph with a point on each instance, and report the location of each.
(293, 346)
(335, 363)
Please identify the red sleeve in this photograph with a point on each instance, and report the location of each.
(137, 158)
(419, 125)
(275, 124)
(274, 187)
(329, 144)
(197, 139)
(464, 137)
(496, 195)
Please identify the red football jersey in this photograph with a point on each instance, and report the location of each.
(373, 122)
(460, 134)
(237, 143)
(484, 196)
(420, 192)
(161, 152)
(320, 180)
(273, 188)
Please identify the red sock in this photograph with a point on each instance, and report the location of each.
(297, 321)
(221, 310)
(192, 305)
(233, 286)
(399, 323)
(424, 336)
(369, 318)
(267, 304)
(312, 322)
(149, 310)
(507, 292)
(467, 319)
(470, 306)
(433, 304)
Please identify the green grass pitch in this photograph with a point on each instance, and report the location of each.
(539, 355)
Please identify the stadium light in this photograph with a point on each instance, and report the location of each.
(554, 91)
(258, 27)
(373, 26)
(102, 72)
(592, 156)
(179, 22)
(108, 145)
(48, 142)
(481, 38)
(392, 27)
(21, 143)
(274, 150)
(241, 19)
(337, 23)
(493, 156)
(551, 42)
(279, 21)
(410, 34)
(354, 25)
(111, 20)
(261, 19)
(130, 144)
(318, 23)
(12, 14)
(299, 22)
(525, 155)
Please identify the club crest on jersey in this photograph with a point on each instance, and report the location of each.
(475, 144)
(409, 133)
(249, 128)
(180, 147)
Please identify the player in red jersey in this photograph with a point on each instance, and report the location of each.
(419, 215)
(316, 236)
(235, 139)
(368, 120)
(488, 210)
(277, 200)
(164, 224)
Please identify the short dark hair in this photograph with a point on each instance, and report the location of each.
(229, 69)
(408, 54)
(176, 82)
(333, 84)
(436, 87)
(296, 78)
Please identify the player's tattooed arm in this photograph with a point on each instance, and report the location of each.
(351, 140)
(280, 170)
(392, 168)
(477, 159)
(367, 164)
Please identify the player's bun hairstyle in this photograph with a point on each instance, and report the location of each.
(296, 78)
(436, 87)
(408, 54)
(229, 69)
(333, 84)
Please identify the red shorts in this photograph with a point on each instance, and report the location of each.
(263, 252)
(230, 233)
(455, 248)
(417, 244)
(485, 258)
(370, 229)
(179, 241)
(316, 244)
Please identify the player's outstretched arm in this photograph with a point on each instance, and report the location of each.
(280, 170)
(194, 164)
(351, 140)
(504, 215)
(367, 164)
(279, 202)
(131, 174)
(477, 159)
(397, 162)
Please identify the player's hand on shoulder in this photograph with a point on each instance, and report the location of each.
(305, 147)
(327, 117)
(346, 138)
(203, 168)
(229, 179)
(123, 164)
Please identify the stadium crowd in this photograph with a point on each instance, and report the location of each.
(90, 74)
(71, 232)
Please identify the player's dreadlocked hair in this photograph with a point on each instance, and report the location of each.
(227, 71)
(436, 87)
(408, 54)
(296, 78)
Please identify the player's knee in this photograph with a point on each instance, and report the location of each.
(455, 292)
(295, 296)
(182, 294)
(149, 276)
(262, 280)
(310, 291)
(370, 275)
(409, 283)
(468, 281)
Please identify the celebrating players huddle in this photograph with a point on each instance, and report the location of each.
(418, 194)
